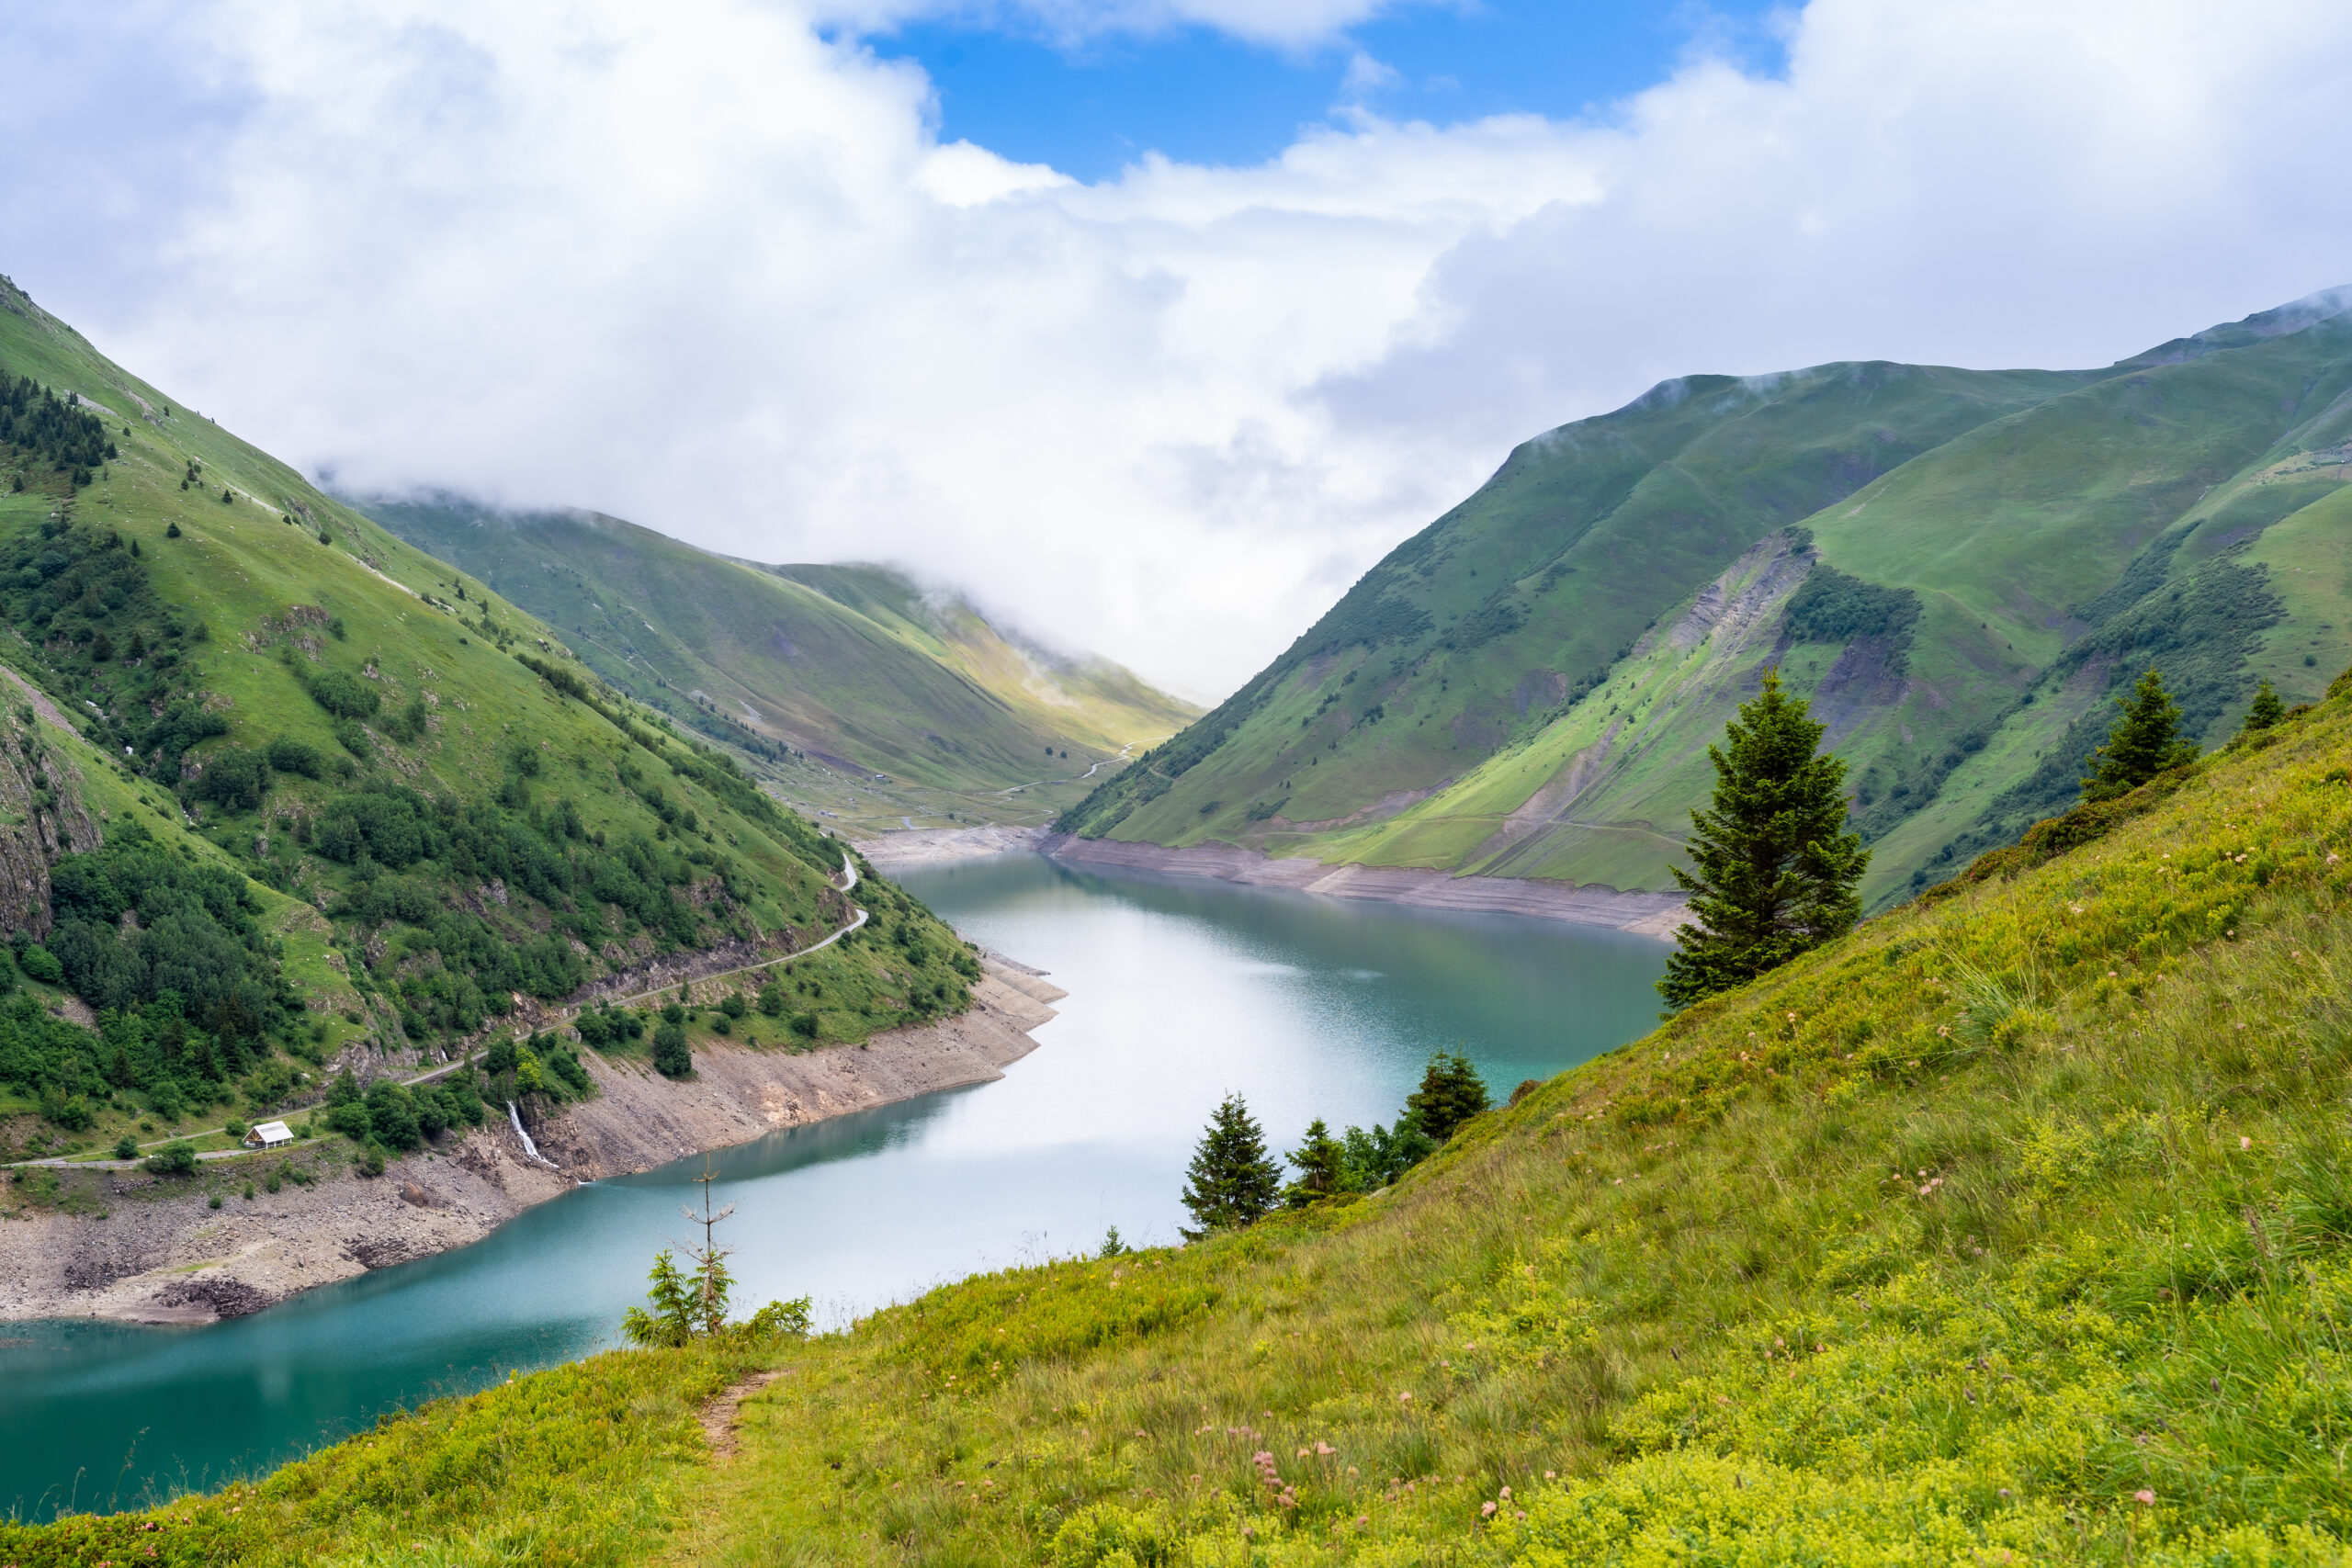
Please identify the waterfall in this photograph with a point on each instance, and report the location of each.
(529, 1147)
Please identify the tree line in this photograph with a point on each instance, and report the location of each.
(37, 421)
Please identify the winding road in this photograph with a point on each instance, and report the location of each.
(848, 884)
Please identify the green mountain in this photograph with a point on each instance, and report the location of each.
(278, 789)
(1959, 568)
(856, 668)
(2014, 1227)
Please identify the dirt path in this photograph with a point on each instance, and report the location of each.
(719, 1416)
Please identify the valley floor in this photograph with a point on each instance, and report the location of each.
(152, 1249)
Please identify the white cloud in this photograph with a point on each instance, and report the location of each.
(695, 266)
(1284, 23)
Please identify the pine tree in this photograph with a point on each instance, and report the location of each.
(1774, 873)
(1450, 1093)
(2146, 741)
(2266, 711)
(1231, 1182)
(1321, 1164)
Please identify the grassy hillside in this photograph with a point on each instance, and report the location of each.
(1959, 568)
(303, 792)
(2016, 1227)
(852, 669)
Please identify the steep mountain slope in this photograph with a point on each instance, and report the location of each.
(854, 666)
(1958, 567)
(2014, 1227)
(279, 798)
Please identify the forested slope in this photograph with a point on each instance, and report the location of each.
(1959, 568)
(280, 791)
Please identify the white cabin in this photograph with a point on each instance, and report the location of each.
(269, 1135)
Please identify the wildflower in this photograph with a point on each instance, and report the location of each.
(1324, 1450)
(1405, 1397)
(1287, 1501)
(1486, 1510)
(1363, 1519)
(1196, 1481)
(1551, 1476)
(1520, 1515)
(2246, 1143)
(2144, 1498)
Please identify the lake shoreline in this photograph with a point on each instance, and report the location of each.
(1655, 915)
(163, 1255)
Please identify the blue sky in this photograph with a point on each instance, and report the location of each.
(1199, 94)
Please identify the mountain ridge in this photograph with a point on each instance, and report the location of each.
(857, 666)
(1983, 552)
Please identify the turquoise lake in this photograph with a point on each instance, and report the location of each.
(1180, 992)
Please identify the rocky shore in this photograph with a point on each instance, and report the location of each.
(1644, 914)
(153, 1249)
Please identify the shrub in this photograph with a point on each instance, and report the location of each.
(233, 778)
(670, 1057)
(126, 1148)
(40, 964)
(289, 755)
(175, 1158)
(734, 1006)
(343, 694)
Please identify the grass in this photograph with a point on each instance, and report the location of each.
(1477, 663)
(2016, 1227)
(854, 668)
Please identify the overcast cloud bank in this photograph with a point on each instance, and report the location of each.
(700, 267)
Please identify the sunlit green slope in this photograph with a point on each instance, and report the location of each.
(1528, 687)
(2016, 1227)
(856, 666)
(302, 785)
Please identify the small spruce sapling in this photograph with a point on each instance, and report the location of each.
(689, 1305)
(1232, 1182)
(1322, 1165)
(1450, 1093)
(2265, 712)
(2146, 741)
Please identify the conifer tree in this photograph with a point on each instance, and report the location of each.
(1232, 1182)
(2146, 741)
(2266, 711)
(1321, 1164)
(1774, 871)
(1450, 1093)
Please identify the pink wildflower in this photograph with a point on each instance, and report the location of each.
(2144, 1498)
(1486, 1510)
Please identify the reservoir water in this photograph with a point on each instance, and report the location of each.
(1180, 992)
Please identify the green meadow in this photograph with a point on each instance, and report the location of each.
(2014, 1227)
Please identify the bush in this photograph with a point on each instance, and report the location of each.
(126, 1148)
(670, 1057)
(734, 1006)
(772, 999)
(289, 755)
(805, 1025)
(343, 694)
(40, 964)
(233, 778)
(175, 1158)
